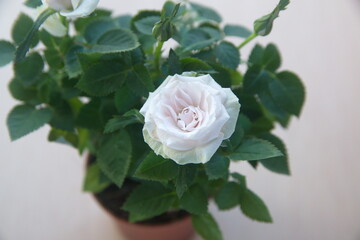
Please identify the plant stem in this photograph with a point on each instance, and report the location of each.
(247, 40)
(158, 54)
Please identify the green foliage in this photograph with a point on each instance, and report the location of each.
(206, 13)
(237, 31)
(217, 167)
(228, 196)
(206, 226)
(227, 55)
(30, 69)
(255, 149)
(114, 155)
(7, 52)
(148, 200)
(24, 119)
(185, 177)
(33, 3)
(253, 207)
(263, 25)
(195, 200)
(155, 167)
(95, 181)
(164, 29)
(119, 122)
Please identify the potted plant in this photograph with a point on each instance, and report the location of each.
(158, 124)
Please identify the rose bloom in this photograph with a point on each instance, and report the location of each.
(187, 118)
(68, 8)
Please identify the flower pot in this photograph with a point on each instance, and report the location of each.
(172, 225)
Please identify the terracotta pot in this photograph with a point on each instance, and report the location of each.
(174, 225)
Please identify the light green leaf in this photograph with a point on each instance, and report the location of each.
(29, 70)
(227, 55)
(148, 200)
(206, 226)
(206, 13)
(155, 167)
(217, 167)
(237, 31)
(195, 200)
(119, 122)
(94, 179)
(103, 78)
(276, 164)
(24, 119)
(228, 195)
(116, 41)
(253, 207)
(255, 149)
(7, 52)
(263, 25)
(114, 156)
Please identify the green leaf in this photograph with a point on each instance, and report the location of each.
(148, 200)
(33, 3)
(62, 136)
(185, 177)
(206, 226)
(21, 27)
(195, 65)
(276, 164)
(30, 33)
(206, 13)
(30, 69)
(94, 179)
(19, 92)
(95, 29)
(196, 39)
(139, 81)
(24, 119)
(227, 55)
(294, 89)
(90, 116)
(7, 52)
(145, 25)
(125, 99)
(237, 31)
(255, 149)
(72, 64)
(271, 59)
(119, 122)
(256, 79)
(253, 207)
(217, 167)
(155, 167)
(103, 78)
(256, 55)
(174, 66)
(123, 21)
(195, 200)
(114, 156)
(228, 195)
(263, 25)
(116, 41)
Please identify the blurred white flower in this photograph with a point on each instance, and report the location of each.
(72, 8)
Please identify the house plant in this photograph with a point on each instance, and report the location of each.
(92, 87)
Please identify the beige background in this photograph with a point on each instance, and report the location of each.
(40, 182)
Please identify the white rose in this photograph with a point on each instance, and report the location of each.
(187, 118)
(72, 8)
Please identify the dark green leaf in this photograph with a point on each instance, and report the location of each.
(185, 177)
(146, 24)
(103, 78)
(94, 179)
(21, 27)
(139, 81)
(263, 25)
(24, 119)
(114, 156)
(72, 64)
(155, 167)
(90, 116)
(7, 52)
(148, 200)
(19, 92)
(217, 167)
(195, 65)
(228, 55)
(29, 70)
(174, 66)
(255, 149)
(116, 41)
(123, 21)
(256, 55)
(125, 99)
(271, 58)
(195, 200)
(33, 3)
(237, 31)
(253, 207)
(228, 195)
(119, 122)
(276, 164)
(206, 226)
(65, 137)
(95, 29)
(243, 126)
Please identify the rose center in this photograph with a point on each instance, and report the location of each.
(190, 118)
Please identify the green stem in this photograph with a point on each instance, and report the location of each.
(158, 54)
(25, 45)
(247, 40)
